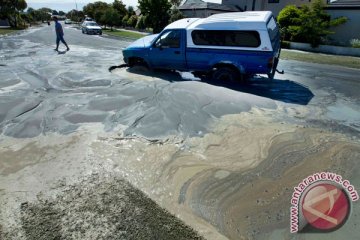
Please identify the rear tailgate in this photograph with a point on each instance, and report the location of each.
(274, 34)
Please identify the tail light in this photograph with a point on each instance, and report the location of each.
(270, 63)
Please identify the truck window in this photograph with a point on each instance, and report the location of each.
(170, 39)
(273, 30)
(228, 38)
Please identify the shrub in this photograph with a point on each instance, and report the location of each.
(285, 44)
(132, 21)
(125, 20)
(141, 23)
(309, 24)
(156, 12)
(175, 15)
(355, 43)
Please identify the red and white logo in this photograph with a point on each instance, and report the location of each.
(321, 202)
(325, 207)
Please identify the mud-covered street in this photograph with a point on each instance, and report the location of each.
(86, 153)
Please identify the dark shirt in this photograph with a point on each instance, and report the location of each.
(59, 29)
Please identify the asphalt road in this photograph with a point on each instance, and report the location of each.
(221, 157)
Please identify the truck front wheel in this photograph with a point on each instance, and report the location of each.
(202, 75)
(138, 65)
(227, 74)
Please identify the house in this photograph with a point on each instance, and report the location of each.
(336, 8)
(201, 9)
(351, 29)
(4, 23)
(265, 5)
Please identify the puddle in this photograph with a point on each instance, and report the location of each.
(346, 112)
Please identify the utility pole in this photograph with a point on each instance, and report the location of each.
(77, 12)
(253, 5)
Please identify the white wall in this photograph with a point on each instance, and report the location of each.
(351, 29)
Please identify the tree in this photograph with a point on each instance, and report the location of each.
(98, 16)
(308, 24)
(175, 3)
(96, 9)
(20, 5)
(54, 12)
(156, 12)
(75, 15)
(141, 23)
(11, 9)
(125, 20)
(61, 13)
(111, 18)
(47, 10)
(27, 18)
(130, 10)
(175, 15)
(30, 10)
(119, 7)
(288, 16)
(132, 21)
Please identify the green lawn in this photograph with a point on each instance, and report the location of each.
(4, 31)
(125, 34)
(345, 61)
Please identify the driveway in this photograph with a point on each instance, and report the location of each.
(88, 153)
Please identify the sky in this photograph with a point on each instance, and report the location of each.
(67, 5)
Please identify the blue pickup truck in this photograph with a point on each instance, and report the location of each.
(228, 46)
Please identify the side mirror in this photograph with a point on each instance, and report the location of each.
(158, 44)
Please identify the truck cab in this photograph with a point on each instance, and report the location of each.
(229, 45)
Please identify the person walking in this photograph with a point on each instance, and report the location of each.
(59, 35)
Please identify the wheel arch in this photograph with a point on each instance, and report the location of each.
(238, 68)
(134, 60)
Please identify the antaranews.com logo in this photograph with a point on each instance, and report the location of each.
(321, 203)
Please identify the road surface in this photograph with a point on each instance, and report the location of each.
(86, 152)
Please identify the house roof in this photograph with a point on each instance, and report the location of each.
(199, 4)
(238, 20)
(344, 2)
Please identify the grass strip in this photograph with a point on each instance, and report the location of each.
(345, 61)
(4, 31)
(125, 34)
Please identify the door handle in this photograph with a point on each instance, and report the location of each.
(177, 52)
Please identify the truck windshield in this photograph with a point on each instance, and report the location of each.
(170, 39)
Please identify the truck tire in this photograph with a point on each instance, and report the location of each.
(271, 74)
(138, 65)
(226, 74)
(202, 75)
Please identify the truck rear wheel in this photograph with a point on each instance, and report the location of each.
(271, 74)
(225, 73)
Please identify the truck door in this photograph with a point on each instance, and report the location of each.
(168, 51)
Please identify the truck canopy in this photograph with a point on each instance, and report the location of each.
(233, 21)
(225, 21)
(243, 22)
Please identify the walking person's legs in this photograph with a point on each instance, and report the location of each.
(63, 41)
(57, 43)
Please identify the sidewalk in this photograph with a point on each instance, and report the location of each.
(134, 31)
